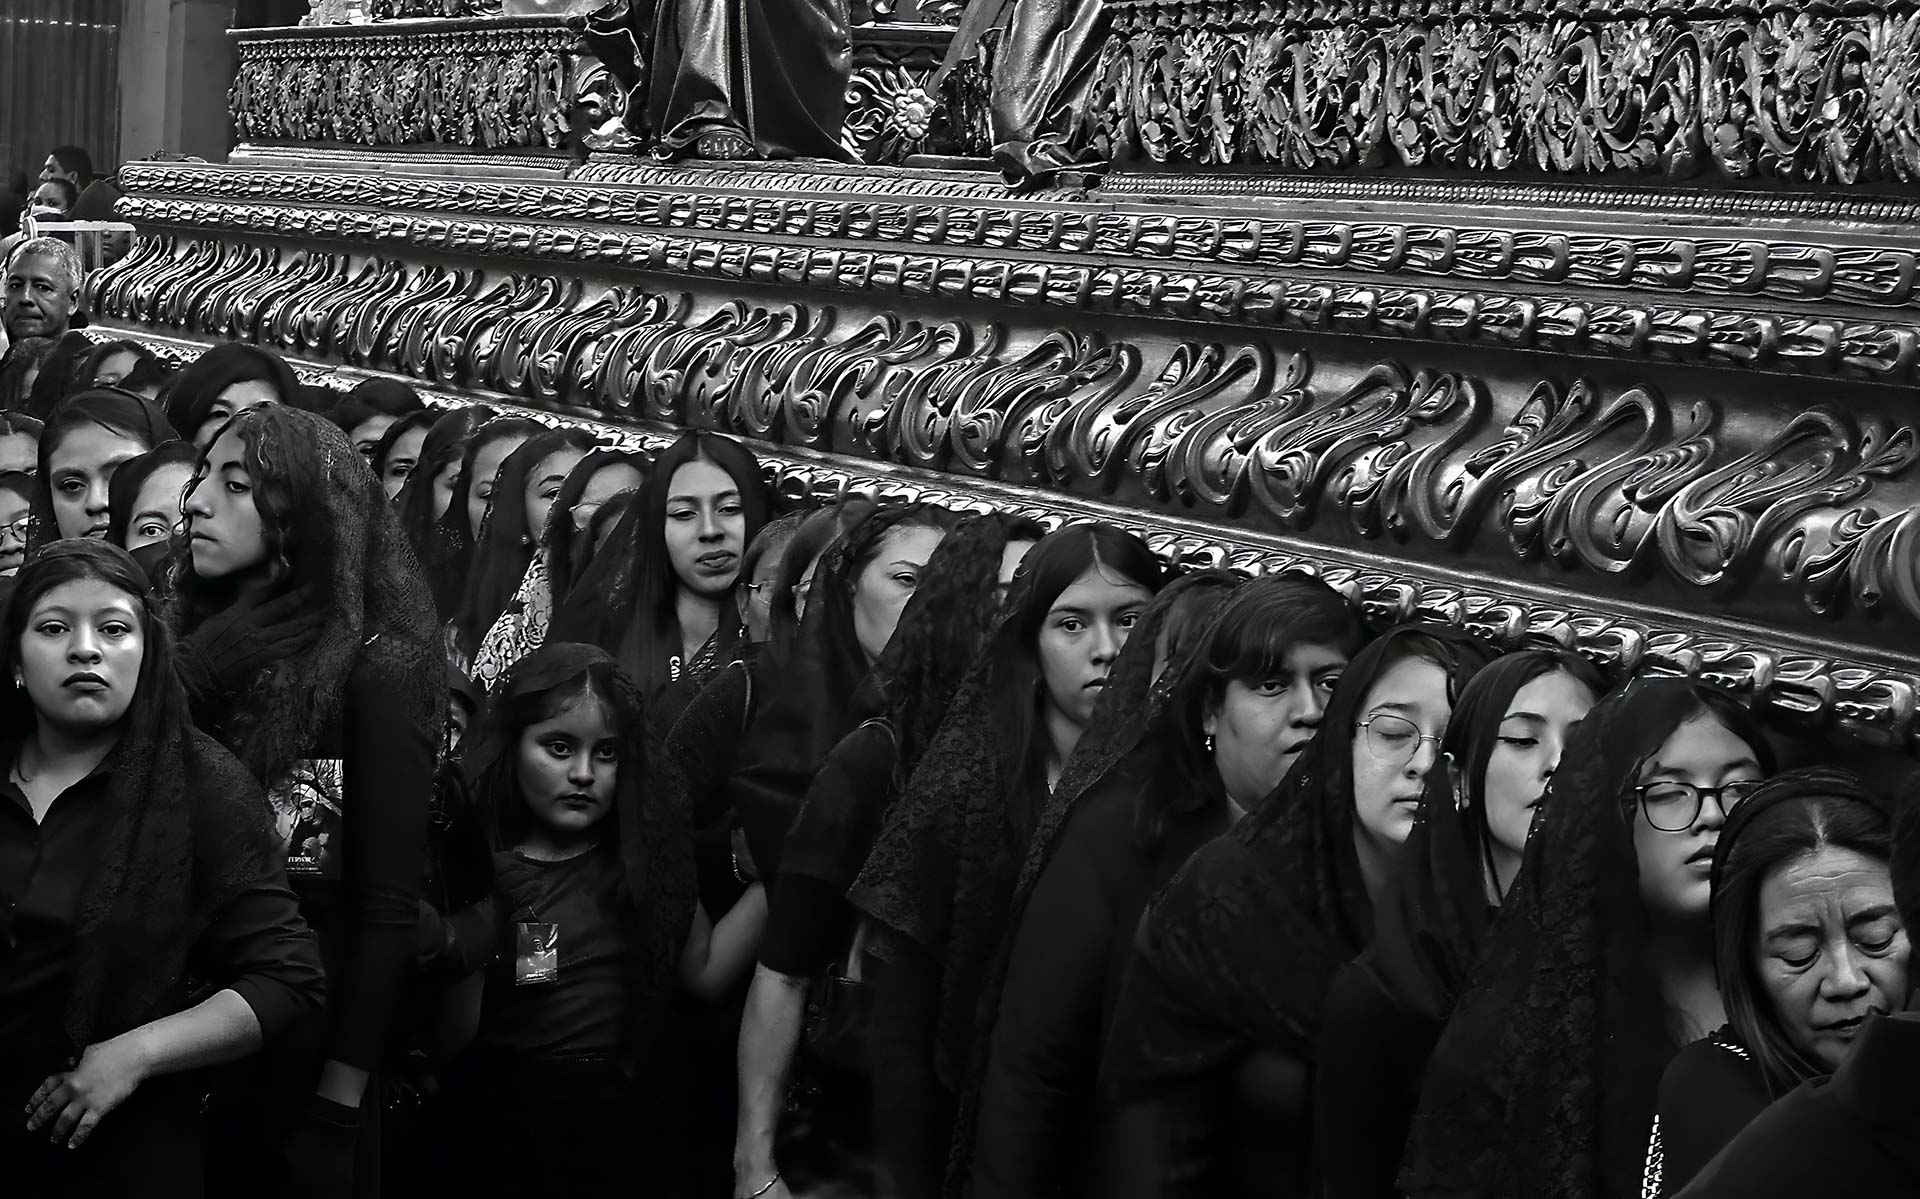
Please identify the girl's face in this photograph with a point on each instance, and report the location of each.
(114, 367)
(236, 398)
(543, 486)
(20, 451)
(1525, 752)
(567, 768)
(226, 536)
(1830, 949)
(158, 506)
(14, 513)
(1395, 742)
(1082, 634)
(607, 482)
(487, 461)
(882, 590)
(756, 595)
(1676, 867)
(1259, 727)
(80, 655)
(402, 456)
(78, 473)
(366, 435)
(706, 528)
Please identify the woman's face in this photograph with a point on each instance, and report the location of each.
(1259, 727)
(567, 769)
(80, 655)
(487, 461)
(706, 528)
(1676, 868)
(543, 486)
(608, 481)
(114, 367)
(225, 533)
(1405, 713)
(443, 488)
(882, 590)
(14, 513)
(402, 456)
(1525, 752)
(756, 595)
(366, 435)
(19, 451)
(158, 508)
(1830, 950)
(78, 473)
(234, 399)
(1082, 634)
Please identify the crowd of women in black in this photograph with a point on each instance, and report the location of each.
(439, 800)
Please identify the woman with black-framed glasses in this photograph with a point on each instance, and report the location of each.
(1600, 966)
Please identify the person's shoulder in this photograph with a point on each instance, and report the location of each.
(1797, 1147)
(1710, 1073)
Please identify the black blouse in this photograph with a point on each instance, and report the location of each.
(1712, 1089)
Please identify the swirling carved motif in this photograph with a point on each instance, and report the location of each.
(1820, 93)
(1609, 483)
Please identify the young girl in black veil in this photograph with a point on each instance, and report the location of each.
(400, 447)
(811, 926)
(223, 382)
(563, 551)
(344, 734)
(1233, 714)
(1214, 1030)
(1808, 946)
(374, 406)
(661, 605)
(134, 853)
(1599, 966)
(86, 441)
(428, 492)
(525, 487)
(1386, 1009)
(457, 529)
(594, 912)
(938, 881)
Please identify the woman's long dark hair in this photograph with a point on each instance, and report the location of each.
(506, 545)
(189, 399)
(118, 412)
(566, 555)
(59, 375)
(625, 601)
(451, 557)
(1792, 815)
(446, 443)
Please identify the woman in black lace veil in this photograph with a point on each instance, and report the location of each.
(941, 873)
(1214, 1030)
(455, 532)
(660, 599)
(284, 508)
(811, 925)
(1795, 999)
(1386, 1009)
(428, 492)
(1229, 716)
(509, 535)
(1544, 1081)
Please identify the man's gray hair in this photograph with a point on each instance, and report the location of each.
(63, 256)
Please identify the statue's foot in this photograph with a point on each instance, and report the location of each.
(724, 145)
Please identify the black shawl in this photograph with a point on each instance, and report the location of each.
(1544, 1082)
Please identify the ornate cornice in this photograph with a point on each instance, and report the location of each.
(1332, 275)
(700, 374)
(1815, 93)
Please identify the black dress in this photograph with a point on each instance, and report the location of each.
(1712, 1089)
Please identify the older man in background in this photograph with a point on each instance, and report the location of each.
(40, 289)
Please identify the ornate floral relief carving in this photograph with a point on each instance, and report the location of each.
(1814, 94)
(890, 113)
(500, 83)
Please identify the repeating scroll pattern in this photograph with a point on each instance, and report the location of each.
(498, 83)
(1616, 484)
(1806, 93)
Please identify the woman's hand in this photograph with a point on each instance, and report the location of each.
(74, 1102)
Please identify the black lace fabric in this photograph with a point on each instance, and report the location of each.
(655, 854)
(1544, 1081)
(188, 830)
(353, 559)
(1209, 982)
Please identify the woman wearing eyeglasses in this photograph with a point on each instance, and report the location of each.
(1600, 966)
(1217, 1019)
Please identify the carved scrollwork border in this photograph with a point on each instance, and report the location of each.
(1815, 343)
